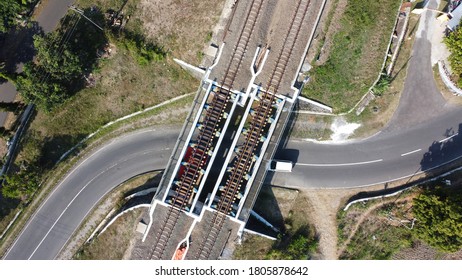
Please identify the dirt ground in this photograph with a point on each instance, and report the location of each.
(324, 205)
(317, 207)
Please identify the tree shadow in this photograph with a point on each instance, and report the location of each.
(440, 152)
(53, 148)
(18, 46)
(86, 39)
(440, 157)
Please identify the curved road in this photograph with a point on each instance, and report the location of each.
(422, 134)
(63, 211)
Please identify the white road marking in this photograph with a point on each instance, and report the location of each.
(447, 138)
(339, 164)
(115, 141)
(411, 152)
(81, 190)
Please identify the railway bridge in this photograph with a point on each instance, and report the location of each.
(222, 155)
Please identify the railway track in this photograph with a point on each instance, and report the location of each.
(209, 129)
(245, 156)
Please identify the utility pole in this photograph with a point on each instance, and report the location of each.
(82, 14)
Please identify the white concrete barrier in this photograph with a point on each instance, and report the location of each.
(447, 81)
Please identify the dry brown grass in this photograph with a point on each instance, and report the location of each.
(381, 228)
(180, 26)
(312, 127)
(112, 244)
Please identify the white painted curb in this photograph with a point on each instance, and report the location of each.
(400, 191)
(121, 119)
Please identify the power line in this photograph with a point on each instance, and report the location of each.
(42, 74)
(81, 12)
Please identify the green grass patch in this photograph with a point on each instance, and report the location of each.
(357, 54)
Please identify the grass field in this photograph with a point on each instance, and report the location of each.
(358, 48)
(125, 83)
(381, 109)
(377, 236)
(113, 243)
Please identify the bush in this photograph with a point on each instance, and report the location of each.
(299, 246)
(439, 219)
(382, 85)
(9, 10)
(143, 52)
(20, 185)
(454, 44)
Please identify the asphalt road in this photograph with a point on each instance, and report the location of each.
(385, 157)
(63, 211)
(423, 134)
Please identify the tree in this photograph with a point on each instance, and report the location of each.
(63, 56)
(55, 59)
(454, 44)
(48, 81)
(20, 185)
(35, 89)
(9, 10)
(439, 219)
(297, 244)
